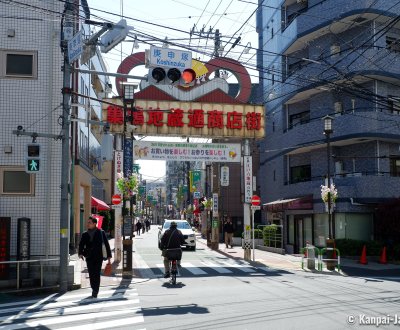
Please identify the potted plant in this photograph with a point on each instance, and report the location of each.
(127, 186)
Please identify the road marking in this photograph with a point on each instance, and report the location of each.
(217, 268)
(267, 269)
(239, 267)
(77, 305)
(60, 319)
(191, 268)
(128, 291)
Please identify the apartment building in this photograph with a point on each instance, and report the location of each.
(338, 58)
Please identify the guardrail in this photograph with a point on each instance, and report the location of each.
(19, 262)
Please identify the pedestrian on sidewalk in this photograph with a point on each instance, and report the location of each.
(147, 222)
(138, 228)
(90, 248)
(228, 229)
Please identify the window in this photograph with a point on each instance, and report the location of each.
(18, 64)
(299, 119)
(395, 166)
(15, 181)
(300, 173)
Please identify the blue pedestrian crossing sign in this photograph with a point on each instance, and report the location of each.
(32, 165)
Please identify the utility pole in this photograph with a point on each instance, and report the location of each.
(217, 46)
(65, 156)
(247, 176)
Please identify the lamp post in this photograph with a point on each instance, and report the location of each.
(328, 131)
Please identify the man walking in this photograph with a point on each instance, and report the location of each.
(228, 229)
(90, 248)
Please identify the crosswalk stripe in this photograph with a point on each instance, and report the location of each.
(67, 296)
(107, 302)
(59, 319)
(217, 268)
(239, 267)
(191, 268)
(109, 324)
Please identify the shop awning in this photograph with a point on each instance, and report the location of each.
(298, 203)
(282, 201)
(99, 204)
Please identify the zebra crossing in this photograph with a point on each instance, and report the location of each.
(114, 308)
(210, 268)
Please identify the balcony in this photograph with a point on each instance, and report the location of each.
(351, 127)
(348, 11)
(313, 78)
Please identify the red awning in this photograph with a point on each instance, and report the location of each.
(99, 204)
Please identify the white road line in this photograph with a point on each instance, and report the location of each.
(191, 268)
(217, 268)
(109, 324)
(60, 319)
(267, 269)
(80, 306)
(67, 297)
(239, 267)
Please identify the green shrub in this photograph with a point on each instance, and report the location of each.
(271, 235)
(352, 247)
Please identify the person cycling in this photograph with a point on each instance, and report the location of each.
(172, 239)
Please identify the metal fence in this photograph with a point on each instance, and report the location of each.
(31, 270)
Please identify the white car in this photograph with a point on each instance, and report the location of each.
(184, 227)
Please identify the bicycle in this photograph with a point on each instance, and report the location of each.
(173, 256)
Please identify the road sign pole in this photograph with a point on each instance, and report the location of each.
(254, 233)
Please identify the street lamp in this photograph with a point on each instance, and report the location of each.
(328, 131)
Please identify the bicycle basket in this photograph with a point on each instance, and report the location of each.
(175, 254)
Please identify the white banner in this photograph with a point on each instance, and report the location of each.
(248, 178)
(215, 204)
(224, 176)
(178, 151)
(119, 169)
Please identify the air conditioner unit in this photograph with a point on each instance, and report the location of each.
(338, 107)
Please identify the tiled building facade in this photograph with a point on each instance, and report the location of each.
(31, 80)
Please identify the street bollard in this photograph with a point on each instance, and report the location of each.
(310, 257)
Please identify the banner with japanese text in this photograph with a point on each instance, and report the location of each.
(180, 118)
(178, 151)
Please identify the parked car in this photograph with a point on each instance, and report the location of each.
(184, 227)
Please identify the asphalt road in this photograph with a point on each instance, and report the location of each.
(213, 292)
(216, 292)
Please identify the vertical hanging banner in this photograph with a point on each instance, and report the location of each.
(195, 179)
(224, 176)
(248, 178)
(128, 157)
(119, 171)
(215, 204)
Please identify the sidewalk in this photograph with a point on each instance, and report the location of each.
(289, 262)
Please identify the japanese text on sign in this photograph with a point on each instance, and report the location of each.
(213, 152)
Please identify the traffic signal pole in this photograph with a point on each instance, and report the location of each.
(65, 156)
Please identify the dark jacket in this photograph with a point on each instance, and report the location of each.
(92, 249)
(228, 227)
(172, 239)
